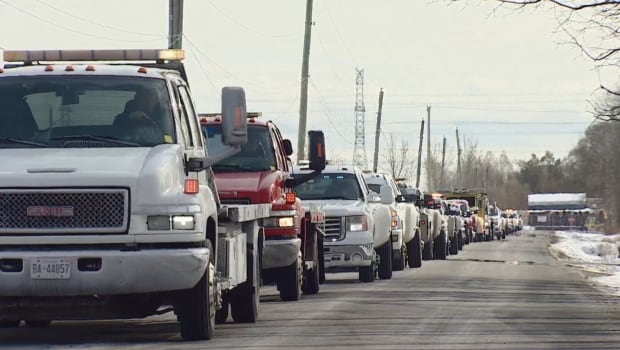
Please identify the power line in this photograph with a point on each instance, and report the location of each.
(96, 23)
(244, 26)
(221, 68)
(329, 119)
(204, 71)
(70, 29)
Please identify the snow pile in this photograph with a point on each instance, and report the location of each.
(592, 252)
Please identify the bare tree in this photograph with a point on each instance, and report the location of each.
(399, 158)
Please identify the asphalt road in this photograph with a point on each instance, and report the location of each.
(494, 295)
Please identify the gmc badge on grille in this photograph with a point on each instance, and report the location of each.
(62, 211)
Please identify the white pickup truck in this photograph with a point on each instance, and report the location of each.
(108, 207)
(357, 224)
(411, 247)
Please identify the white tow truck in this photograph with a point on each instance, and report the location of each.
(411, 247)
(108, 208)
(357, 224)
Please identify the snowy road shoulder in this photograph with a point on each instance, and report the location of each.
(595, 253)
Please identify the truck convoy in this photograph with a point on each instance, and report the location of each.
(261, 173)
(478, 205)
(109, 205)
(358, 229)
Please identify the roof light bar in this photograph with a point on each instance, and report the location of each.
(248, 115)
(93, 55)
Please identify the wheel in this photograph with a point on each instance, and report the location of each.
(460, 240)
(321, 261)
(414, 252)
(398, 258)
(221, 315)
(503, 234)
(453, 246)
(466, 238)
(311, 279)
(245, 298)
(440, 246)
(385, 262)
(428, 252)
(289, 283)
(367, 273)
(9, 323)
(38, 323)
(195, 308)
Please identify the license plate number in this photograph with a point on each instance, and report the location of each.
(50, 269)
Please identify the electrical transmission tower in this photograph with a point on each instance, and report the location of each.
(359, 150)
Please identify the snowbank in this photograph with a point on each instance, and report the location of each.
(591, 252)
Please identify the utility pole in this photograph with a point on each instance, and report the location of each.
(459, 151)
(175, 24)
(419, 171)
(378, 133)
(443, 163)
(428, 149)
(303, 96)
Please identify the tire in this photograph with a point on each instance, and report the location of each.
(289, 283)
(398, 259)
(221, 315)
(453, 247)
(195, 308)
(460, 240)
(321, 261)
(311, 281)
(9, 323)
(367, 273)
(385, 263)
(428, 252)
(414, 252)
(245, 298)
(466, 238)
(440, 246)
(38, 323)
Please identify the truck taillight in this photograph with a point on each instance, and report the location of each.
(191, 186)
(422, 222)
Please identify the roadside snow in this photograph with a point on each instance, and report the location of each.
(591, 252)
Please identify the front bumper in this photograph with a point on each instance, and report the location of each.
(280, 252)
(339, 256)
(121, 272)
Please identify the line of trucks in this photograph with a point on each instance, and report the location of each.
(119, 200)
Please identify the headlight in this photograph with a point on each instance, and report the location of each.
(158, 222)
(183, 222)
(356, 223)
(279, 221)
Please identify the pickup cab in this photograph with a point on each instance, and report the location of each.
(357, 222)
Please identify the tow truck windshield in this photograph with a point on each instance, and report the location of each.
(84, 111)
(330, 186)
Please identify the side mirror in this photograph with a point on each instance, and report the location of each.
(287, 147)
(401, 198)
(386, 194)
(316, 150)
(234, 120)
(420, 202)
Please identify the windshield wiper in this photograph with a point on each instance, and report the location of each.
(97, 138)
(22, 142)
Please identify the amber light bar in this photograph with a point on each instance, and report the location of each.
(93, 55)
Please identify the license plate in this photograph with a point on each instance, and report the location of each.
(50, 269)
(333, 257)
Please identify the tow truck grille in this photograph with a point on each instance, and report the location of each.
(333, 228)
(60, 211)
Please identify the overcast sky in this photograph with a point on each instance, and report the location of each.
(502, 78)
